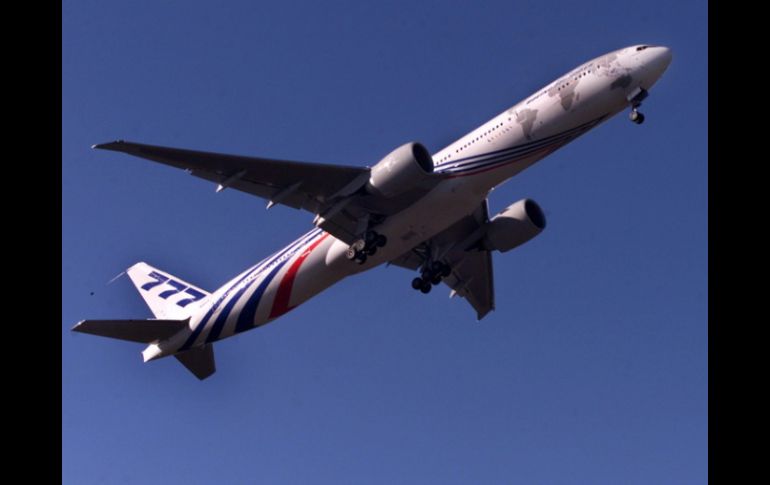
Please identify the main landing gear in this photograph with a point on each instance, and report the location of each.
(431, 275)
(366, 246)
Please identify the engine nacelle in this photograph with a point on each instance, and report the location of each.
(407, 167)
(514, 226)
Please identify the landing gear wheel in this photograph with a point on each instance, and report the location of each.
(366, 246)
(417, 283)
(636, 117)
(359, 245)
(426, 286)
(437, 271)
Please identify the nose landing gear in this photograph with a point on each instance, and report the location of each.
(635, 98)
(636, 116)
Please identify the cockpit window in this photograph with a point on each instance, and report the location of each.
(642, 47)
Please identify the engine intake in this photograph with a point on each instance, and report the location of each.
(514, 226)
(405, 168)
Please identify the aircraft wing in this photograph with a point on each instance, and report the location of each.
(458, 246)
(317, 188)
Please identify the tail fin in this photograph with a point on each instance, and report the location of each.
(173, 302)
(167, 296)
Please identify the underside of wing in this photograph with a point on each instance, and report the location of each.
(471, 274)
(300, 185)
(340, 197)
(472, 279)
(315, 187)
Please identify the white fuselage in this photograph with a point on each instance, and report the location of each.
(471, 166)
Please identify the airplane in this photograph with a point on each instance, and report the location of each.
(423, 212)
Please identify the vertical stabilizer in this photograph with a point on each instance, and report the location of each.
(167, 296)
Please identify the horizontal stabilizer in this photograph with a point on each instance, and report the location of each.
(199, 361)
(144, 331)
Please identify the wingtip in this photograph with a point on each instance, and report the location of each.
(107, 146)
(481, 314)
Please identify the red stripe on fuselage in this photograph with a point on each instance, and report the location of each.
(281, 301)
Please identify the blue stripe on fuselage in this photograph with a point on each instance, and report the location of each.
(482, 159)
(216, 328)
(502, 151)
(249, 311)
(258, 267)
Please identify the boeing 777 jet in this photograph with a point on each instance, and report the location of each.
(426, 213)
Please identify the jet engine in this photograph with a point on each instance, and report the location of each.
(407, 167)
(514, 226)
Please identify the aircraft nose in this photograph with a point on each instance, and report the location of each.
(663, 58)
(658, 60)
(654, 62)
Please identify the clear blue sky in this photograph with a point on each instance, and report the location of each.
(593, 368)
